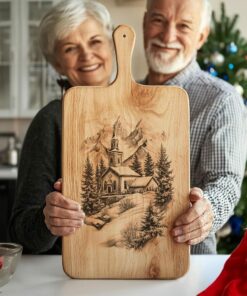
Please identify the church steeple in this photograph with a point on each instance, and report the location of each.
(115, 156)
(114, 142)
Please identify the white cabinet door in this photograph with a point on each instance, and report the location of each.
(8, 83)
(38, 85)
(27, 82)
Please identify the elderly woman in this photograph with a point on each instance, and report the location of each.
(75, 38)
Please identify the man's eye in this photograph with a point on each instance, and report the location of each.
(157, 20)
(184, 26)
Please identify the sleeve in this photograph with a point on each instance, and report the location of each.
(223, 158)
(39, 168)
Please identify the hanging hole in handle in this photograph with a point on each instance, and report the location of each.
(124, 35)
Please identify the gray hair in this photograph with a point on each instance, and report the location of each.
(206, 13)
(67, 16)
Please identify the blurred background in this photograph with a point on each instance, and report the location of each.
(27, 83)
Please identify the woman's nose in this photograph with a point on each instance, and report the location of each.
(168, 34)
(85, 53)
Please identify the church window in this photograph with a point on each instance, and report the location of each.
(125, 185)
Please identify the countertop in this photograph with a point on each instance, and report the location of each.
(43, 276)
(8, 172)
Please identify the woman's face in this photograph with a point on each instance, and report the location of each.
(85, 55)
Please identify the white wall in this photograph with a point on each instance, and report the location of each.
(131, 13)
(234, 7)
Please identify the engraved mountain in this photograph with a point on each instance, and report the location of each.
(132, 143)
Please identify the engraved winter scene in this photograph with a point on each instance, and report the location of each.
(126, 185)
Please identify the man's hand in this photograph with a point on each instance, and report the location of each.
(62, 215)
(194, 226)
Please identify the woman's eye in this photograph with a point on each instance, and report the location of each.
(96, 42)
(69, 49)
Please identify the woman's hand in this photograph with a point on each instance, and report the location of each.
(195, 224)
(62, 215)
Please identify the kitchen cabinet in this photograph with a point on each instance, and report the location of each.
(7, 193)
(27, 82)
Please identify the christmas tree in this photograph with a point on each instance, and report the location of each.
(225, 56)
(225, 53)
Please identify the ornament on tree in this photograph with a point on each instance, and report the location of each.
(232, 48)
(231, 66)
(217, 58)
(236, 223)
(239, 89)
(242, 72)
(225, 77)
(222, 45)
(212, 70)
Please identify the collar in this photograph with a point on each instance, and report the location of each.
(64, 85)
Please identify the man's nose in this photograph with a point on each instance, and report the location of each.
(168, 34)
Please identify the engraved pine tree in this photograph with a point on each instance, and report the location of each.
(148, 165)
(164, 178)
(151, 225)
(102, 167)
(136, 165)
(89, 192)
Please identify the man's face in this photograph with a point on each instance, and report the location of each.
(172, 34)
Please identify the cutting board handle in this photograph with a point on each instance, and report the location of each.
(124, 40)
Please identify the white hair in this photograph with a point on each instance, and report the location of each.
(206, 13)
(67, 16)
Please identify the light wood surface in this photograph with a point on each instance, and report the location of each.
(112, 130)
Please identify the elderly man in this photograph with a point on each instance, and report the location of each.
(173, 32)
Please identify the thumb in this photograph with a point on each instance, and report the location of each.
(195, 194)
(58, 185)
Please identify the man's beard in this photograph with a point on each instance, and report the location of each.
(162, 62)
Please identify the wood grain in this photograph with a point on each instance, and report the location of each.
(127, 230)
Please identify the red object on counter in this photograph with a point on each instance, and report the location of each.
(232, 281)
(1, 262)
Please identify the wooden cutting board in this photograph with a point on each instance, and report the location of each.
(125, 158)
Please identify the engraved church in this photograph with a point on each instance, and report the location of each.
(119, 179)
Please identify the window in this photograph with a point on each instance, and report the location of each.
(125, 185)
